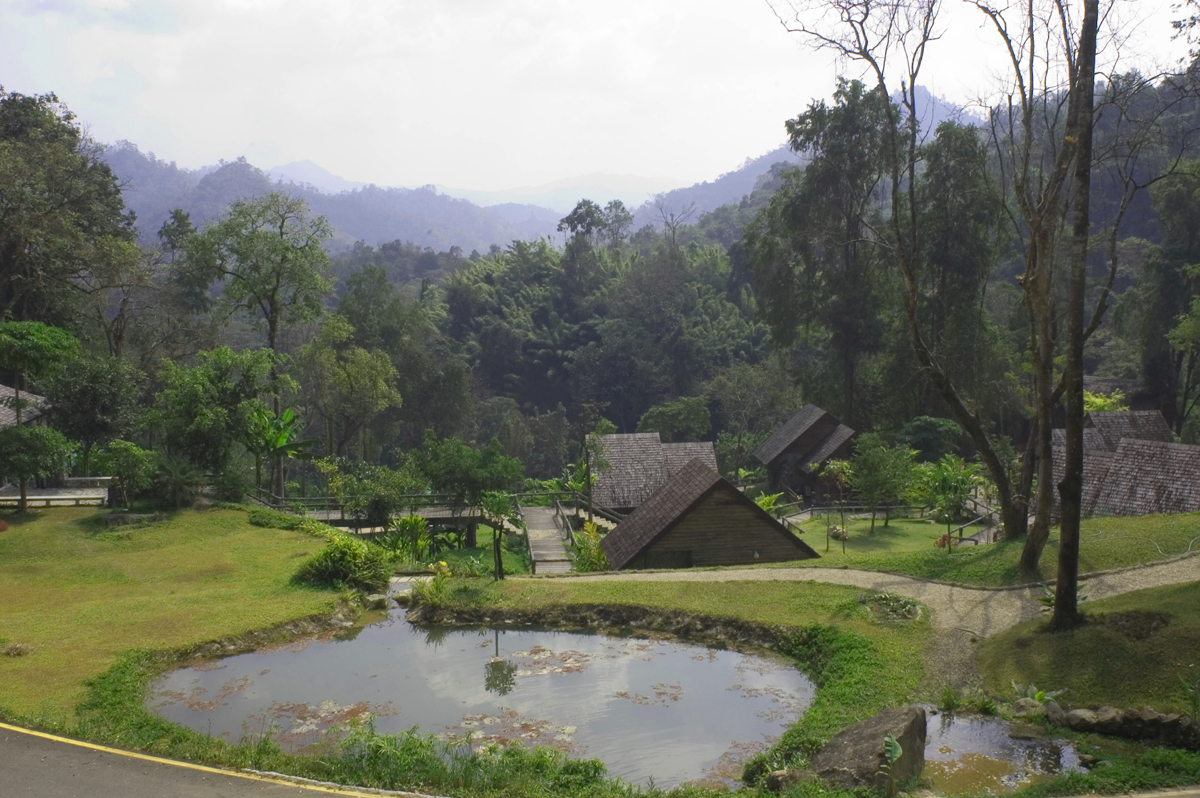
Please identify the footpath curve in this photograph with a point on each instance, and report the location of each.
(981, 611)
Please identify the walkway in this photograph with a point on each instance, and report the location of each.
(545, 541)
(978, 610)
(10, 495)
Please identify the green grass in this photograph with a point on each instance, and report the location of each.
(860, 664)
(1105, 543)
(78, 594)
(515, 562)
(900, 536)
(1101, 663)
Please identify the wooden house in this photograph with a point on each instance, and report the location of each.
(1147, 477)
(697, 518)
(1115, 426)
(798, 450)
(637, 464)
(34, 406)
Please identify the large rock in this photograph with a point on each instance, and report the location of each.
(855, 757)
(1056, 714)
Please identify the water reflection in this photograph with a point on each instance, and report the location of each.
(646, 708)
(967, 754)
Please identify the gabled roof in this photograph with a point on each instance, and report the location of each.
(1148, 477)
(638, 463)
(789, 433)
(666, 506)
(1144, 425)
(827, 448)
(1093, 441)
(8, 415)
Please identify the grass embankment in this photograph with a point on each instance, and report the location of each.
(480, 556)
(77, 594)
(1105, 543)
(1135, 651)
(860, 661)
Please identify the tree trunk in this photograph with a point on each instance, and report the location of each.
(23, 503)
(1066, 607)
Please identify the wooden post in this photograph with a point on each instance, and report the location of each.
(497, 555)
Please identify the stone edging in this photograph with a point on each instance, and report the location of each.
(333, 786)
(341, 618)
(944, 583)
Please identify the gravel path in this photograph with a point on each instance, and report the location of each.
(979, 611)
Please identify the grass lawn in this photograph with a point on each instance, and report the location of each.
(515, 562)
(1105, 662)
(77, 594)
(1105, 543)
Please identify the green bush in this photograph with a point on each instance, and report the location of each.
(587, 554)
(274, 519)
(350, 563)
(177, 484)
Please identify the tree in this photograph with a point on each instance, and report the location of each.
(272, 259)
(584, 221)
(32, 451)
(465, 473)
(206, 409)
(617, 221)
(32, 349)
(684, 419)
(880, 475)
(61, 210)
(130, 464)
(94, 400)
(810, 249)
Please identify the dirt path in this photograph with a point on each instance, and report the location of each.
(978, 610)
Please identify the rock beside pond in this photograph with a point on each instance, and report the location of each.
(855, 756)
(1055, 713)
(784, 780)
(1028, 708)
(1026, 731)
(1137, 724)
(376, 601)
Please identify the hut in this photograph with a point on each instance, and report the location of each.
(697, 518)
(796, 452)
(637, 464)
(1117, 425)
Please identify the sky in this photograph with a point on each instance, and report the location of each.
(479, 94)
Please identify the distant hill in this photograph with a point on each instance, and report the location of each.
(154, 187)
(562, 195)
(309, 173)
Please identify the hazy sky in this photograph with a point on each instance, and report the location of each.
(484, 94)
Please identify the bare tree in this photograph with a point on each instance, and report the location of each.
(673, 220)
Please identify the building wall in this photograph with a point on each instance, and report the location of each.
(720, 530)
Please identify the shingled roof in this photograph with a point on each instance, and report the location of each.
(789, 433)
(666, 506)
(1115, 426)
(827, 448)
(1147, 477)
(8, 415)
(638, 463)
(1093, 441)
(1096, 465)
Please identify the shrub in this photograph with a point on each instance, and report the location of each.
(273, 519)
(587, 554)
(177, 484)
(409, 538)
(346, 562)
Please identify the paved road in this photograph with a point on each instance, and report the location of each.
(33, 765)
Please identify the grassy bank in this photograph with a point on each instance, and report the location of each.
(1105, 543)
(76, 594)
(1136, 651)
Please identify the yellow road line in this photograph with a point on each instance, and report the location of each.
(188, 765)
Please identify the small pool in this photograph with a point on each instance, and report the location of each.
(646, 708)
(970, 754)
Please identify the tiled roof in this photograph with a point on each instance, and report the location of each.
(828, 447)
(668, 504)
(1093, 441)
(8, 415)
(1096, 465)
(677, 455)
(786, 435)
(1148, 477)
(1106, 385)
(1145, 425)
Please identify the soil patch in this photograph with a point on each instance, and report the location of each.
(1134, 624)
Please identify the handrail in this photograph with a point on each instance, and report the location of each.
(600, 510)
(560, 515)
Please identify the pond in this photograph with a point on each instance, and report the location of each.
(646, 708)
(968, 754)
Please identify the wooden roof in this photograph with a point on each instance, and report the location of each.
(827, 448)
(666, 506)
(808, 417)
(1115, 426)
(1147, 477)
(1093, 441)
(1096, 465)
(639, 463)
(8, 415)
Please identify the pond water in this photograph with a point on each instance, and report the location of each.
(644, 707)
(967, 754)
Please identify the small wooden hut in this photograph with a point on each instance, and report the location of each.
(798, 450)
(697, 518)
